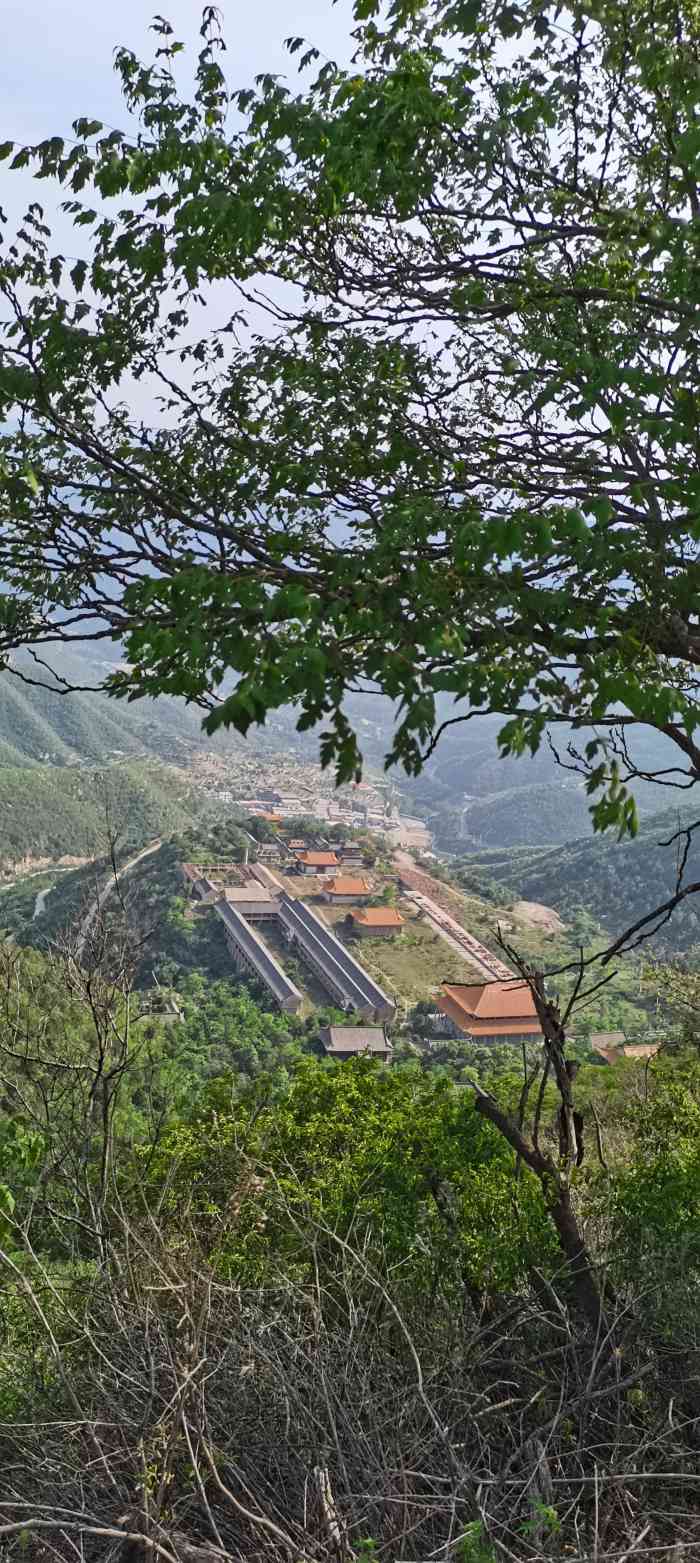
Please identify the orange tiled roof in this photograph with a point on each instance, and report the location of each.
(491, 1000)
(378, 917)
(341, 885)
(319, 859)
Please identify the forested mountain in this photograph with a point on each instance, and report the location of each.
(472, 797)
(616, 882)
(51, 812)
(40, 721)
(536, 815)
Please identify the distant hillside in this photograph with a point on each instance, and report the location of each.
(616, 882)
(49, 811)
(40, 724)
(539, 815)
(472, 798)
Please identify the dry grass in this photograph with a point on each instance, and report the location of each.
(412, 965)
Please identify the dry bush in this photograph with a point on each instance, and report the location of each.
(152, 1409)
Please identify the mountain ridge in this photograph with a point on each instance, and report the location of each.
(616, 882)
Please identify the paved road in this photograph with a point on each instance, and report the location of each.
(36, 873)
(106, 889)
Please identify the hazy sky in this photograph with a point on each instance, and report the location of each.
(56, 55)
(56, 64)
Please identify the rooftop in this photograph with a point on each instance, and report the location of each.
(319, 859)
(378, 917)
(492, 1000)
(607, 1039)
(355, 1039)
(243, 895)
(343, 884)
(485, 1009)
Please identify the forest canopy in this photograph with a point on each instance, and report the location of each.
(445, 443)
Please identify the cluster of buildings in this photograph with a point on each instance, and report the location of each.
(497, 1010)
(359, 807)
(261, 898)
(247, 897)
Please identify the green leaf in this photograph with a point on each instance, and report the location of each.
(31, 480)
(87, 127)
(78, 275)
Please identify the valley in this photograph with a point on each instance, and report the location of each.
(544, 892)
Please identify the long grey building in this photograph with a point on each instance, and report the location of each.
(251, 954)
(342, 976)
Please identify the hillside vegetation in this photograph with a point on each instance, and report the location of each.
(537, 815)
(41, 722)
(50, 812)
(616, 882)
(348, 1251)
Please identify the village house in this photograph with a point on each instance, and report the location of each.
(377, 922)
(191, 874)
(197, 884)
(348, 1041)
(351, 860)
(489, 1012)
(339, 889)
(612, 1045)
(317, 862)
(253, 901)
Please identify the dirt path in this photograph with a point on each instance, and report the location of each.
(40, 902)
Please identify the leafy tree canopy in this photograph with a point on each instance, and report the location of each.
(437, 431)
(375, 1155)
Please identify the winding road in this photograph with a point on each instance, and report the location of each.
(105, 890)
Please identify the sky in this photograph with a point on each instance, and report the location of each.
(56, 57)
(56, 65)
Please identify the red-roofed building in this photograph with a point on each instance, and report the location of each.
(491, 1011)
(377, 922)
(339, 888)
(612, 1046)
(317, 862)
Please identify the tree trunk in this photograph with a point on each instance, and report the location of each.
(585, 1290)
(584, 1286)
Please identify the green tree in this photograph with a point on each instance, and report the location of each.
(261, 829)
(393, 1160)
(481, 379)
(657, 1193)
